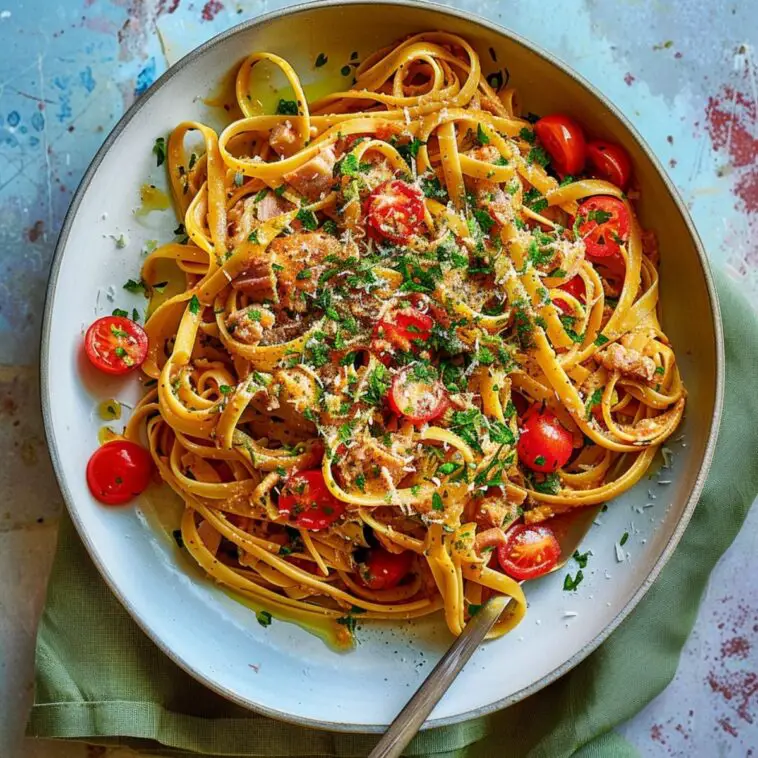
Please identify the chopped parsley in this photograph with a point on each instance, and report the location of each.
(481, 136)
(448, 468)
(581, 558)
(119, 312)
(287, 108)
(600, 340)
(624, 538)
(378, 383)
(467, 425)
(437, 504)
(349, 166)
(349, 622)
(539, 255)
(132, 286)
(538, 155)
(485, 221)
(307, 219)
(570, 583)
(594, 399)
(410, 149)
(329, 227)
(194, 305)
(534, 200)
(527, 135)
(263, 618)
(501, 433)
(550, 485)
(598, 216)
(432, 188)
(159, 148)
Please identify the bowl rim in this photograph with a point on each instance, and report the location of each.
(45, 367)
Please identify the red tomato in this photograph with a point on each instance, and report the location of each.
(384, 570)
(564, 140)
(544, 445)
(528, 552)
(118, 471)
(574, 287)
(417, 399)
(603, 223)
(611, 162)
(115, 344)
(306, 501)
(401, 326)
(394, 211)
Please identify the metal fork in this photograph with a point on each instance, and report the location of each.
(570, 530)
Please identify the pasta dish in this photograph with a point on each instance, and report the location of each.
(414, 326)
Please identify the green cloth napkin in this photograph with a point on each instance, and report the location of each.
(101, 680)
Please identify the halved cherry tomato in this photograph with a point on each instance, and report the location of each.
(545, 444)
(418, 400)
(394, 211)
(383, 570)
(306, 501)
(401, 326)
(603, 224)
(115, 344)
(528, 552)
(564, 140)
(574, 287)
(118, 471)
(611, 162)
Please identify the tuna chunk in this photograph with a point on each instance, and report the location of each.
(295, 253)
(628, 362)
(283, 139)
(247, 324)
(314, 178)
(272, 205)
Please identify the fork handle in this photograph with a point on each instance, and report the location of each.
(407, 723)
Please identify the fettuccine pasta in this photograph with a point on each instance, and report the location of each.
(404, 334)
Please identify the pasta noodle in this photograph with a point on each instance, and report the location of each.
(376, 288)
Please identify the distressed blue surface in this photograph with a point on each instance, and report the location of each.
(683, 71)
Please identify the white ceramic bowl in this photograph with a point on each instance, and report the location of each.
(297, 677)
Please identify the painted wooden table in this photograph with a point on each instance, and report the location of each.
(685, 71)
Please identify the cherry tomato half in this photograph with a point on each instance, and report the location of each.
(545, 444)
(118, 471)
(419, 400)
(306, 501)
(400, 326)
(611, 162)
(603, 224)
(383, 570)
(394, 211)
(115, 344)
(574, 287)
(528, 552)
(564, 140)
